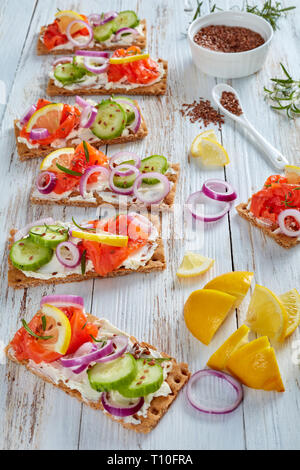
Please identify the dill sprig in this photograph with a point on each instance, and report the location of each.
(270, 12)
(285, 94)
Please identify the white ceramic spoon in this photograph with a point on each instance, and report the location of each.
(278, 160)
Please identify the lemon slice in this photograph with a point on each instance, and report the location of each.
(291, 302)
(194, 264)
(65, 17)
(58, 326)
(130, 58)
(212, 153)
(292, 173)
(196, 148)
(266, 314)
(56, 156)
(47, 117)
(235, 283)
(105, 238)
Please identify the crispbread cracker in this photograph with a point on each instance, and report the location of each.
(140, 41)
(177, 378)
(18, 280)
(158, 88)
(166, 204)
(280, 238)
(26, 153)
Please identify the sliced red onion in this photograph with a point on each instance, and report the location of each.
(201, 404)
(39, 133)
(118, 171)
(72, 251)
(81, 102)
(90, 171)
(198, 198)
(281, 221)
(135, 125)
(219, 190)
(81, 357)
(88, 116)
(117, 409)
(90, 64)
(120, 344)
(86, 38)
(42, 185)
(120, 32)
(104, 54)
(73, 227)
(159, 196)
(109, 16)
(27, 115)
(114, 161)
(63, 301)
(94, 19)
(63, 60)
(24, 231)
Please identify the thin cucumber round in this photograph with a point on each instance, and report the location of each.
(69, 73)
(104, 31)
(157, 163)
(125, 181)
(49, 236)
(78, 61)
(28, 256)
(148, 379)
(126, 19)
(128, 110)
(114, 374)
(110, 120)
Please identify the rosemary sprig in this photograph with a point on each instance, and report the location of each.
(44, 322)
(285, 94)
(83, 262)
(270, 12)
(32, 333)
(84, 229)
(198, 11)
(86, 151)
(66, 170)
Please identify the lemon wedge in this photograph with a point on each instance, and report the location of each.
(47, 117)
(219, 359)
(292, 173)
(105, 238)
(194, 264)
(291, 302)
(56, 156)
(196, 148)
(212, 153)
(65, 17)
(57, 326)
(235, 283)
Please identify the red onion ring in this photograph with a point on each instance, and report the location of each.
(162, 178)
(94, 53)
(88, 172)
(24, 231)
(120, 410)
(109, 16)
(81, 357)
(97, 69)
(213, 189)
(94, 19)
(124, 156)
(121, 343)
(88, 116)
(194, 198)
(118, 171)
(39, 133)
(88, 38)
(281, 221)
(42, 186)
(63, 301)
(27, 115)
(62, 60)
(220, 375)
(120, 32)
(135, 125)
(73, 250)
(81, 102)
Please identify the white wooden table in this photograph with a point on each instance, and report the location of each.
(35, 415)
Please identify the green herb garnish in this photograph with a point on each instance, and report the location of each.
(158, 359)
(86, 151)
(44, 322)
(32, 333)
(285, 94)
(84, 326)
(98, 340)
(83, 262)
(198, 10)
(66, 170)
(269, 11)
(83, 228)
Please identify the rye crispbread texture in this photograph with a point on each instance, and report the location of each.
(18, 280)
(139, 41)
(165, 205)
(280, 238)
(158, 88)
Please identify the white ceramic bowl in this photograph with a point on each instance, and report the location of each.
(230, 64)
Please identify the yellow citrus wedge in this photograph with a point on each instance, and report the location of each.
(204, 312)
(196, 148)
(291, 302)
(105, 238)
(62, 156)
(47, 117)
(255, 365)
(194, 264)
(266, 314)
(220, 358)
(212, 153)
(58, 326)
(235, 283)
(65, 17)
(292, 173)
(130, 58)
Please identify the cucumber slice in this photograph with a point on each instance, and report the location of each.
(78, 61)
(28, 256)
(68, 73)
(129, 113)
(114, 374)
(110, 120)
(157, 163)
(125, 181)
(126, 19)
(104, 31)
(49, 236)
(148, 380)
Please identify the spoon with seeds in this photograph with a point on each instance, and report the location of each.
(235, 111)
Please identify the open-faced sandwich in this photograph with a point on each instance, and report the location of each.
(46, 126)
(97, 32)
(275, 209)
(54, 252)
(97, 363)
(126, 71)
(87, 177)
